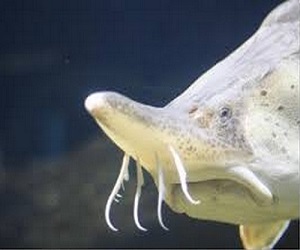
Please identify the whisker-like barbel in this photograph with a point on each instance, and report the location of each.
(139, 185)
(123, 171)
(182, 175)
(161, 193)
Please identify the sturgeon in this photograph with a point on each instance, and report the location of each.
(227, 148)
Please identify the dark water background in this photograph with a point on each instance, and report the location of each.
(56, 167)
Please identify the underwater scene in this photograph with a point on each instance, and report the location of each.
(57, 167)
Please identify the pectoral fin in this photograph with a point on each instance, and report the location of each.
(262, 236)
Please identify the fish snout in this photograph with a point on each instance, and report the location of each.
(105, 104)
(96, 102)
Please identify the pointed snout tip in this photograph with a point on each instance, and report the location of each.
(94, 101)
(98, 102)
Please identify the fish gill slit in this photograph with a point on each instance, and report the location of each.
(161, 194)
(182, 175)
(114, 193)
(140, 183)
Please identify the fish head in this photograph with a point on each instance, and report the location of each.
(205, 137)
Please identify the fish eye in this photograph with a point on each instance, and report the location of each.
(225, 113)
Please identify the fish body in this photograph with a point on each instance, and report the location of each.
(227, 148)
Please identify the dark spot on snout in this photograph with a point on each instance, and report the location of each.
(274, 135)
(191, 149)
(265, 104)
(193, 109)
(292, 86)
(280, 108)
(263, 92)
(283, 150)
